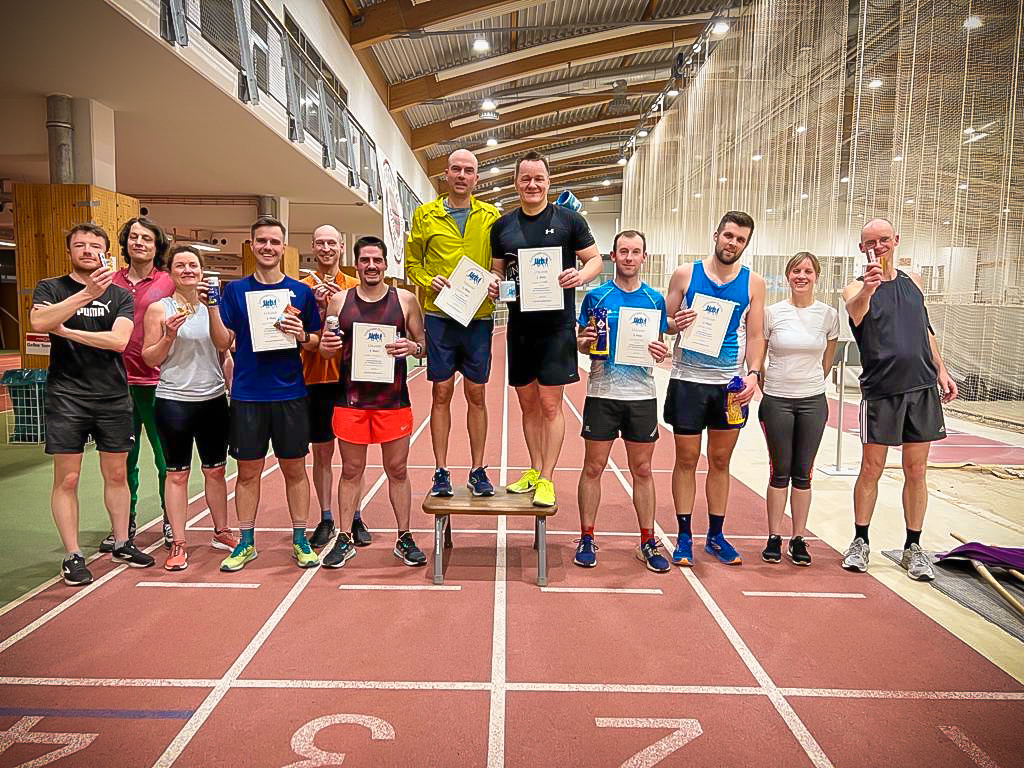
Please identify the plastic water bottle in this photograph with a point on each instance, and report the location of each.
(734, 412)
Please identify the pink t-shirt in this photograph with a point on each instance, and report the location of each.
(153, 288)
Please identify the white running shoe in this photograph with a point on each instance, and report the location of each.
(856, 557)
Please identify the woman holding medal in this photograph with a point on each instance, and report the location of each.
(800, 337)
(191, 404)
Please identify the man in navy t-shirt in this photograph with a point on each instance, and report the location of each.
(267, 316)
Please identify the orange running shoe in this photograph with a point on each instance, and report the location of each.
(177, 560)
(224, 539)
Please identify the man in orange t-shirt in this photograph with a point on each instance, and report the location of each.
(321, 377)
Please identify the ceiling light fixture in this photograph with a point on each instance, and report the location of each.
(8, 244)
(876, 83)
(585, 212)
(673, 91)
(756, 158)
(720, 28)
(595, 198)
(675, 210)
(480, 45)
(488, 104)
(495, 169)
(622, 160)
(946, 223)
(804, 196)
(496, 189)
(963, 186)
(606, 183)
(642, 134)
(492, 142)
(696, 194)
(488, 114)
(801, 128)
(205, 247)
(844, 180)
(898, 159)
(722, 179)
(768, 210)
(972, 22)
(910, 201)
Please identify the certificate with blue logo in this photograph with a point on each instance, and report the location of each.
(466, 291)
(707, 333)
(370, 358)
(265, 309)
(539, 290)
(637, 328)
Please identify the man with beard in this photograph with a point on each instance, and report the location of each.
(370, 412)
(443, 231)
(321, 377)
(697, 397)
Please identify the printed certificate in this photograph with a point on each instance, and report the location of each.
(264, 309)
(538, 279)
(370, 359)
(708, 330)
(636, 329)
(467, 291)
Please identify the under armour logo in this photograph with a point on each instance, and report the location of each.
(549, 231)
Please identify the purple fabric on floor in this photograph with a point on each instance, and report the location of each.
(1000, 557)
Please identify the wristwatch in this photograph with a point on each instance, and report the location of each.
(419, 349)
(306, 340)
(759, 374)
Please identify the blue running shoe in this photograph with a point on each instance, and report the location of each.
(683, 554)
(442, 483)
(479, 483)
(586, 552)
(717, 545)
(650, 553)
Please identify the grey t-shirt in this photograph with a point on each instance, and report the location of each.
(461, 216)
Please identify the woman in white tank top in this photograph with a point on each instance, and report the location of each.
(191, 404)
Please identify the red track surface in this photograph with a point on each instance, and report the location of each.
(296, 672)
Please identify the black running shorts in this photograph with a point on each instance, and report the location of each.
(71, 420)
(605, 419)
(912, 417)
(322, 399)
(692, 407)
(283, 423)
(549, 358)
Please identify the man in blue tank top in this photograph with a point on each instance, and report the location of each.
(697, 399)
(901, 405)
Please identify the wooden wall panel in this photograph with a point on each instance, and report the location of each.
(289, 265)
(43, 214)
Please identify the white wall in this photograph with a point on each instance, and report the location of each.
(602, 217)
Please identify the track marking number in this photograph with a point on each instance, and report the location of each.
(21, 733)
(684, 731)
(302, 740)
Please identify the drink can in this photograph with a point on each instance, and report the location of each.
(507, 290)
(332, 325)
(105, 261)
(599, 348)
(734, 412)
(213, 292)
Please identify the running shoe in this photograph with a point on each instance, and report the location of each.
(586, 552)
(683, 553)
(340, 553)
(224, 539)
(772, 552)
(544, 493)
(525, 483)
(407, 551)
(917, 563)
(797, 551)
(361, 535)
(479, 483)
(107, 545)
(322, 534)
(177, 560)
(725, 552)
(168, 535)
(132, 556)
(240, 555)
(442, 483)
(74, 572)
(856, 557)
(304, 554)
(650, 553)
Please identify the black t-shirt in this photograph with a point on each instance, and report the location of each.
(555, 226)
(894, 343)
(78, 369)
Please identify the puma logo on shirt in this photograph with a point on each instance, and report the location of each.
(96, 309)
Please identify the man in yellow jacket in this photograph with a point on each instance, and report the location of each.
(443, 231)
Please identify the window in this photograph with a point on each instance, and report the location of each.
(332, 84)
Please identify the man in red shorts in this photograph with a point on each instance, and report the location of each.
(379, 326)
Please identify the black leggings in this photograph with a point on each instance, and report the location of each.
(793, 427)
(180, 423)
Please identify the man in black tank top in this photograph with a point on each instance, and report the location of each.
(373, 411)
(901, 404)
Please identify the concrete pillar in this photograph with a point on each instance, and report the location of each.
(60, 130)
(94, 143)
(270, 205)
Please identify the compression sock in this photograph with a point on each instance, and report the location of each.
(861, 532)
(684, 524)
(913, 537)
(246, 533)
(715, 523)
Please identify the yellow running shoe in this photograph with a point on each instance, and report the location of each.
(239, 556)
(544, 493)
(525, 483)
(305, 555)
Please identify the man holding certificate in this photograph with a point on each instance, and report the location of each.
(717, 306)
(449, 254)
(536, 247)
(378, 326)
(268, 316)
(620, 327)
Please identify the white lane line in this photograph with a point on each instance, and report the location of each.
(403, 587)
(716, 690)
(852, 693)
(604, 590)
(368, 685)
(50, 582)
(198, 584)
(832, 595)
(110, 682)
(962, 740)
(203, 712)
(796, 726)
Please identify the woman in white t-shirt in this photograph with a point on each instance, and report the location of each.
(801, 336)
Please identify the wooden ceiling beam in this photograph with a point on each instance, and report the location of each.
(649, 10)
(391, 18)
(435, 86)
(558, 179)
